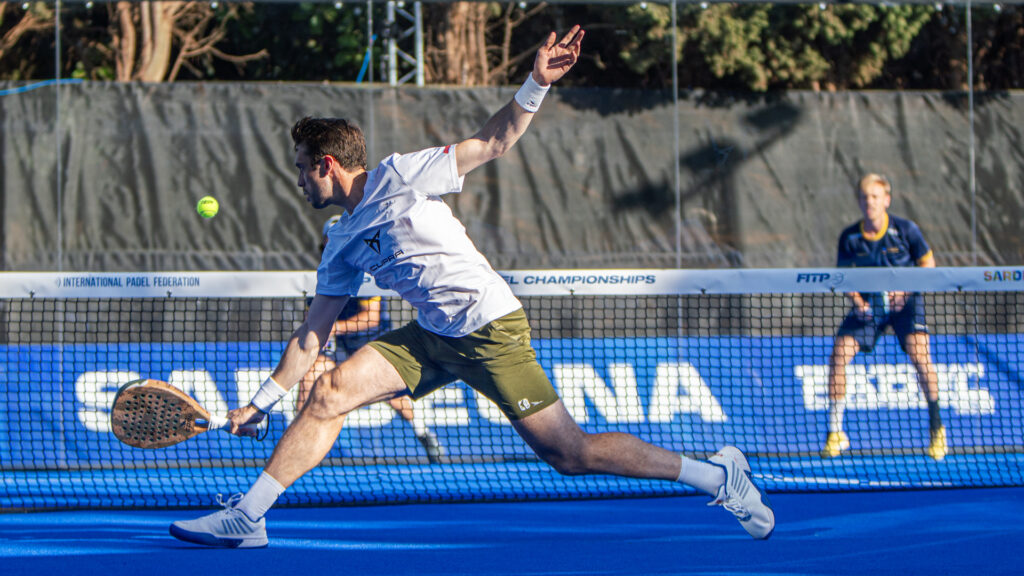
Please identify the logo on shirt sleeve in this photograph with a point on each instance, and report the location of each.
(374, 243)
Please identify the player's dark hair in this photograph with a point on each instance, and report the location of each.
(335, 137)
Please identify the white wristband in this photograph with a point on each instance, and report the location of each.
(531, 94)
(268, 395)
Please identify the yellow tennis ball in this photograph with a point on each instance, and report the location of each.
(207, 207)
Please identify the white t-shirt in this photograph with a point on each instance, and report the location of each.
(407, 238)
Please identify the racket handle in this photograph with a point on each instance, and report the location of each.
(218, 421)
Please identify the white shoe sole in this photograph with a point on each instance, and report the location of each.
(207, 539)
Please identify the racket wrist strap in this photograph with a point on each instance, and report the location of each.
(268, 394)
(531, 94)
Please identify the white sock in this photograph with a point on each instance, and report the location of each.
(835, 415)
(260, 497)
(703, 476)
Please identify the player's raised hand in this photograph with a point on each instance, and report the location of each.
(554, 59)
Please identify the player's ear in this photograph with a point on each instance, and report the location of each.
(327, 164)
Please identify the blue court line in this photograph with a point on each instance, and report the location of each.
(43, 84)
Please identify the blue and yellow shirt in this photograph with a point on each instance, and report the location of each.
(898, 244)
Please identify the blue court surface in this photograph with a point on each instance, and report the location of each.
(961, 531)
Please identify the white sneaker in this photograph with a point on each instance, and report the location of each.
(228, 528)
(739, 495)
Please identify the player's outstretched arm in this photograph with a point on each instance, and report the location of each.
(554, 59)
(299, 355)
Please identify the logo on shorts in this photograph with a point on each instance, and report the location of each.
(374, 243)
(525, 404)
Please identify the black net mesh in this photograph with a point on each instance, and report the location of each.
(689, 372)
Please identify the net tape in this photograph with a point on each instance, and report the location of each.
(524, 283)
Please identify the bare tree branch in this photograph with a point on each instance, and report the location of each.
(153, 41)
(29, 23)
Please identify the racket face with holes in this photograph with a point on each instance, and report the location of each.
(154, 414)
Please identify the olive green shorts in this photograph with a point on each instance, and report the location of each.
(496, 360)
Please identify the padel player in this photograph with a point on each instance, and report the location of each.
(470, 326)
(880, 239)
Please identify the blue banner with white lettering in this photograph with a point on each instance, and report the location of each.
(766, 395)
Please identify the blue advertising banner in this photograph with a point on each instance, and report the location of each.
(766, 395)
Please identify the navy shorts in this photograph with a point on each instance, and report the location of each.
(909, 320)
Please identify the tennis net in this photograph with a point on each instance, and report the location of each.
(689, 360)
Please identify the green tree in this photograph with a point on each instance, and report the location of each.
(766, 47)
(303, 42)
(999, 48)
(937, 58)
(755, 47)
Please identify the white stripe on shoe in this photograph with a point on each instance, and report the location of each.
(227, 528)
(741, 496)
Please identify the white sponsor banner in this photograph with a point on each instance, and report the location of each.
(762, 281)
(523, 282)
(157, 284)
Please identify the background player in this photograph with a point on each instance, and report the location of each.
(882, 240)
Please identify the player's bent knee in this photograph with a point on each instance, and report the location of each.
(566, 465)
(331, 395)
(567, 460)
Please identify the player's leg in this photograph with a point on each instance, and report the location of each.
(918, 348)
(917, 345)
(499, 362)
(911, 327)
(363, 379)
(843, 351)
(403, 406)
(857, 333)
(558, 440)
(322, 365)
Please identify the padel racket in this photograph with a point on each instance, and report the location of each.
(154, 414)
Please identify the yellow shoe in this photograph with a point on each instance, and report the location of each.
(836, 443)
(937, 447)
